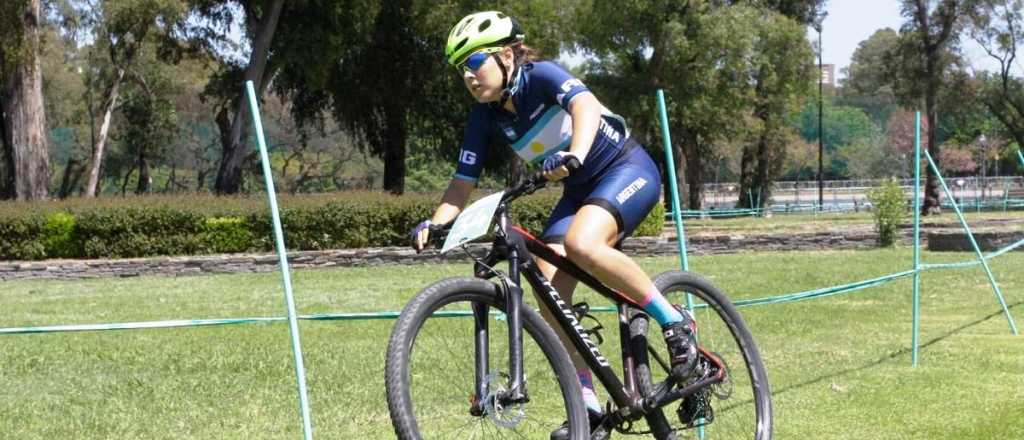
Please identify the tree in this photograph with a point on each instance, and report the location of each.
(867, 84)
(417, 100)
(150, 121)
(781, 62)
(233, 118)
(26, 167)
(957, 158)
(801, 156)
(122, 29)
(866, 159)
(696, 52)
(926, 50)
(847, 125)
(997, 26)
(66, 104)
(899, 138)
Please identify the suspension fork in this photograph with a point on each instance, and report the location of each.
(513, 295)
(481, 331)
(514, 304)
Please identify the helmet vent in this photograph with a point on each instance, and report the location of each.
(501, 16)
(459, 46)
(483, 26)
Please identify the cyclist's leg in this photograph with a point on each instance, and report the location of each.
(612, 208)
(553, 235)
(618, 203)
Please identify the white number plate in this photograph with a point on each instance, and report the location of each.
(473, 222)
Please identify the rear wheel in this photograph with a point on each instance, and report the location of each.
(431, 364)
(740, 406)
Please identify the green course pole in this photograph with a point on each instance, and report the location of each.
(1006, 194)
(977, 250)
(293, 326)
(670, 164)
(1020, 156)
(917, 240)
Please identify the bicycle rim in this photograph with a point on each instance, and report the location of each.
(740, 407)
(441, 372)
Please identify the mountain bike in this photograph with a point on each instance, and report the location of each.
(466, 359)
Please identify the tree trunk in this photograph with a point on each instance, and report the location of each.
(694, 177)
(763, 176)
(679, 155)
(234, 150)
(6, 159)
(746, 188)
(68, 181)
(516, 170)
(124, 182)
(171, 179)
(931, 203)
(24, 119)
(101, 140)
(145, 181)
(394, 152)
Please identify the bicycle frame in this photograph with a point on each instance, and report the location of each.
(521, 246)
(517, 246)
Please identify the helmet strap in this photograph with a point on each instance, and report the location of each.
(507, 89)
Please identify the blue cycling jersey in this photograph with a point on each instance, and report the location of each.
(541, 125)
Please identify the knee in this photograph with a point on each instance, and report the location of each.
(581, 249)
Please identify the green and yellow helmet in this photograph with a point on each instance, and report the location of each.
(481, 29)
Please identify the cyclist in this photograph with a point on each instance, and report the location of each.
(549, 117)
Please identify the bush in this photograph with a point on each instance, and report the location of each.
(197, 224)
(227, 235)
(57, 238)
(19, 238)
(889, 208)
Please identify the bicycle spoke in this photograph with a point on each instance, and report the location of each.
(442, 379)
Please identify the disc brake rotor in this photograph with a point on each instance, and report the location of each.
(504, 416)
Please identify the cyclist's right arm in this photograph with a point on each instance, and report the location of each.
(454, 199)
(467, 171)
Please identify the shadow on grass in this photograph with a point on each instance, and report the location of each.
(897, 354)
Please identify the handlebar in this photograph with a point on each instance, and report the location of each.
(529, 185)
(536, 181)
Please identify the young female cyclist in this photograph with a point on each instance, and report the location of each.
(547, 116)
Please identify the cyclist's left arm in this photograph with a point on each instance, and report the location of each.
(585, 110)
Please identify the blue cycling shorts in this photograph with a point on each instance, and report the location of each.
(628, 189)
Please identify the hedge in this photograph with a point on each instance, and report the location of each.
(203, 224)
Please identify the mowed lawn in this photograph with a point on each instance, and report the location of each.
(839, 366)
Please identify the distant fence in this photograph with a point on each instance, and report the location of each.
(971, 193)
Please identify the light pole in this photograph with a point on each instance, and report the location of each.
(984, 164)
(821, 87)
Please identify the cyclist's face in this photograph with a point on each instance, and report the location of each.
(484, 82)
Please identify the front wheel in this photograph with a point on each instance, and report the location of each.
(431, 370)
(738, 408)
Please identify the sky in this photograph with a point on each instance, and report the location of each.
(851, 21)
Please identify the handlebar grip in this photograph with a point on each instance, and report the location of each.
(572, 163)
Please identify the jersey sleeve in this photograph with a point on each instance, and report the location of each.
(557, 83)
(475, 143)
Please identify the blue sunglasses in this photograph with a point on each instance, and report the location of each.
(476, 60)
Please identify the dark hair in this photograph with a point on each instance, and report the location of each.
(524, 54)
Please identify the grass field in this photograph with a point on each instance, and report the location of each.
(809, 222)
(839, 366)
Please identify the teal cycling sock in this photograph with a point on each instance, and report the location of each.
(659, 308)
